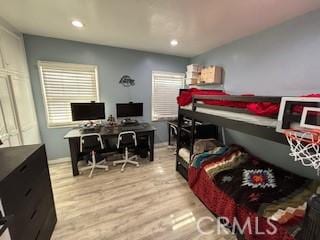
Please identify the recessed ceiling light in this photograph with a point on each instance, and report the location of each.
(174, 42)
(77, 23)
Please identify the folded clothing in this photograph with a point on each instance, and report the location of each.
(184, 153)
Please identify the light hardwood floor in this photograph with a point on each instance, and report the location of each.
(147, 203)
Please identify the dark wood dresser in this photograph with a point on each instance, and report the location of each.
(26, 194)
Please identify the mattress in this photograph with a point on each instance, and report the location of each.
(258, 120)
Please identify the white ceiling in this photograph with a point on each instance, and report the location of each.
(198, 25)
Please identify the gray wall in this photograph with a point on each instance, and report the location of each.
(281, 61)
(112, 64)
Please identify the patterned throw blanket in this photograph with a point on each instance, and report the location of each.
(246, 185)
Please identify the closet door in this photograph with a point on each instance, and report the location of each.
(12, 50)
(4, 136)
(1, 59)
(9, 120)
(15, 86)
(23, 101)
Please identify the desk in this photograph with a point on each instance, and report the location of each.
(73, 136)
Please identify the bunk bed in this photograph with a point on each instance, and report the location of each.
(226, 111)
(253, 115)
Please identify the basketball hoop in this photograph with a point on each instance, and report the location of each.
(305, 146)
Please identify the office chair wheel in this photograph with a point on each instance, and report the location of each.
(122, 170)
(138, 165)
(114, 164)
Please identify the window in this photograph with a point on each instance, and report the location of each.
(63, 83)
(165, 89)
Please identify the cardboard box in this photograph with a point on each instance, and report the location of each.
(212, 74)
(192, 74)
(194, 68)
(204, 75)
(192, 81)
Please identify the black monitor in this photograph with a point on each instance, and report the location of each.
(87, 111)
(127, 110)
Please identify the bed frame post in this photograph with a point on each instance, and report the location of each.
(193, 125)
(180, 120)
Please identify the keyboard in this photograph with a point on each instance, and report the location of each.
(90, 130)
(132, 128)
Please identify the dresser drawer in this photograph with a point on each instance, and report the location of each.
(25, 178)
(16, 201)
(28, 205)
(31, 168)
(26, 192)
(46, 230)
(38, 217)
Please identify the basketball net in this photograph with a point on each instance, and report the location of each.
(305, 147)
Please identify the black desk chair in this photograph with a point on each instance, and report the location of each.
(127, 140)
(91, 145)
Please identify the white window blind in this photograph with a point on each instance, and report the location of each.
(64, 83)
(165, 89)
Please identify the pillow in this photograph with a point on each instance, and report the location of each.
(204, 145)
(258, 178)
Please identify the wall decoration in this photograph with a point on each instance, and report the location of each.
(127, 81)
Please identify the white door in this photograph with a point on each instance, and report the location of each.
(23, 100)
(15, 92)
(4, 136)
(10, 122)
(12, 51)
(1, 58)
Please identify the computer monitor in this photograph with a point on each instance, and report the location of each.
(127, 110)
(87, 111)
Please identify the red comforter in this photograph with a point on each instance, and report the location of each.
(223, 205)
(217, 201)
(258, 108)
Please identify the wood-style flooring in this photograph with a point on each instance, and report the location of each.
(151, 202)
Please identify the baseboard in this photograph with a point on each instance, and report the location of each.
(67, 159)
(161, 145)
(59, 160)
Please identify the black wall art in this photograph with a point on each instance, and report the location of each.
(127, 81)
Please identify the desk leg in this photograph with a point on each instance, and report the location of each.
(74, 151)
(151, 146)
(169, 135)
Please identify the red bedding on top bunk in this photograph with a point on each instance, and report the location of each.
(257, 108)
